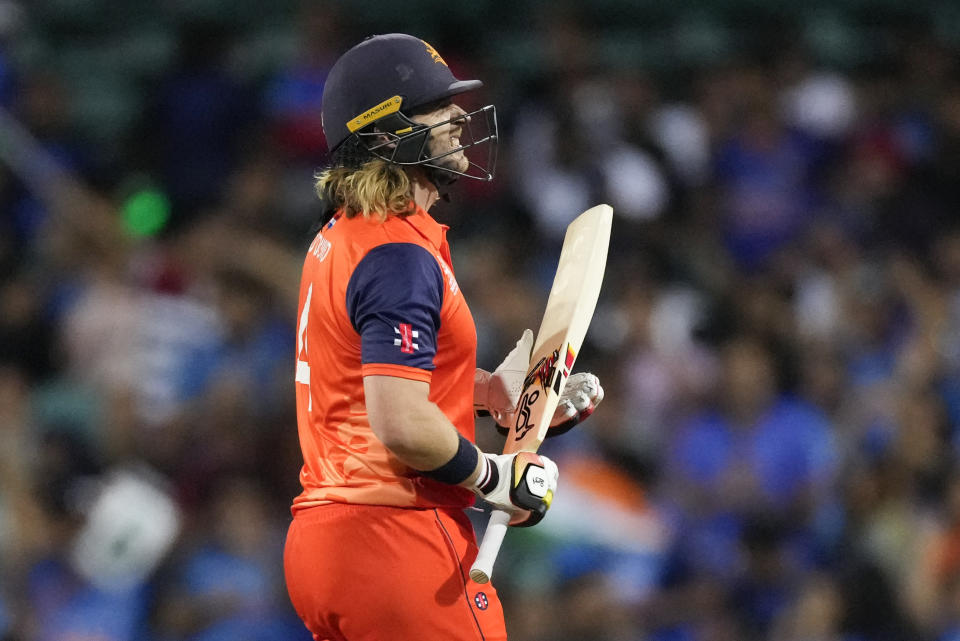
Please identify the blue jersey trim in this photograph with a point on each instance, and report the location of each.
(393, 299)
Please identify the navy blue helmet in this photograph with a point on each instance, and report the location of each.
(373, 89)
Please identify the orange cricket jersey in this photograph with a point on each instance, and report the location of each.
(378, 298)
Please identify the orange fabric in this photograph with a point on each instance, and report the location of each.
(372, 573)
(400, 371)
(344, 462)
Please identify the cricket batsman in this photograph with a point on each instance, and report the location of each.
(387, 386)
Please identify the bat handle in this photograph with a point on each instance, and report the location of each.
(482, 568)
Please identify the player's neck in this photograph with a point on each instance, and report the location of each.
(425, 193)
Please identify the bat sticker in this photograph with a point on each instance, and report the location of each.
(543, 372)
(571, 356)
(565, 372)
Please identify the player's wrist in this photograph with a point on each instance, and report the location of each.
(464, 466)
(487, 478)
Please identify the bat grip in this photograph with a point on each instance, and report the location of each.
(482, 568)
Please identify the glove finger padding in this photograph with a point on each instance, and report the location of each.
(580, 398)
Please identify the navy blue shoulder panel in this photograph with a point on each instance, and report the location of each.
(394, 298)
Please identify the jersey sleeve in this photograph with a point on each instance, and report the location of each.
(393, 299)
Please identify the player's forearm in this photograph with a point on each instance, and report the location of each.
(420, 435)
(411, 426)
(424, 438)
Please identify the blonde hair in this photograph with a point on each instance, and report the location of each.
(378, 188)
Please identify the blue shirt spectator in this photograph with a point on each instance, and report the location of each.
(74, 609)
(787, 452)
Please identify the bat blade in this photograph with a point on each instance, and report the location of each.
(570, 305)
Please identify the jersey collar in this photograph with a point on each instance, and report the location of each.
(427, 227)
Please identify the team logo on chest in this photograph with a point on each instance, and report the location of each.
(405, 337)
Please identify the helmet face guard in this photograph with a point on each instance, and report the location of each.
(401, 141)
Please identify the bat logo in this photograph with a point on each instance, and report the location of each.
(523, 414)
(543, 372)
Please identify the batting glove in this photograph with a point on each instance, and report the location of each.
(497, 394)
(522, 484)
(579, 399)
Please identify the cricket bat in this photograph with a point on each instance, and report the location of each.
(570, 305)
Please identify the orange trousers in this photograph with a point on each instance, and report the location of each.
(378, 573)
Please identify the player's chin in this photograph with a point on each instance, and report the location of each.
(455, 162)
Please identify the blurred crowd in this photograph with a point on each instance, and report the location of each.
(778, 335)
